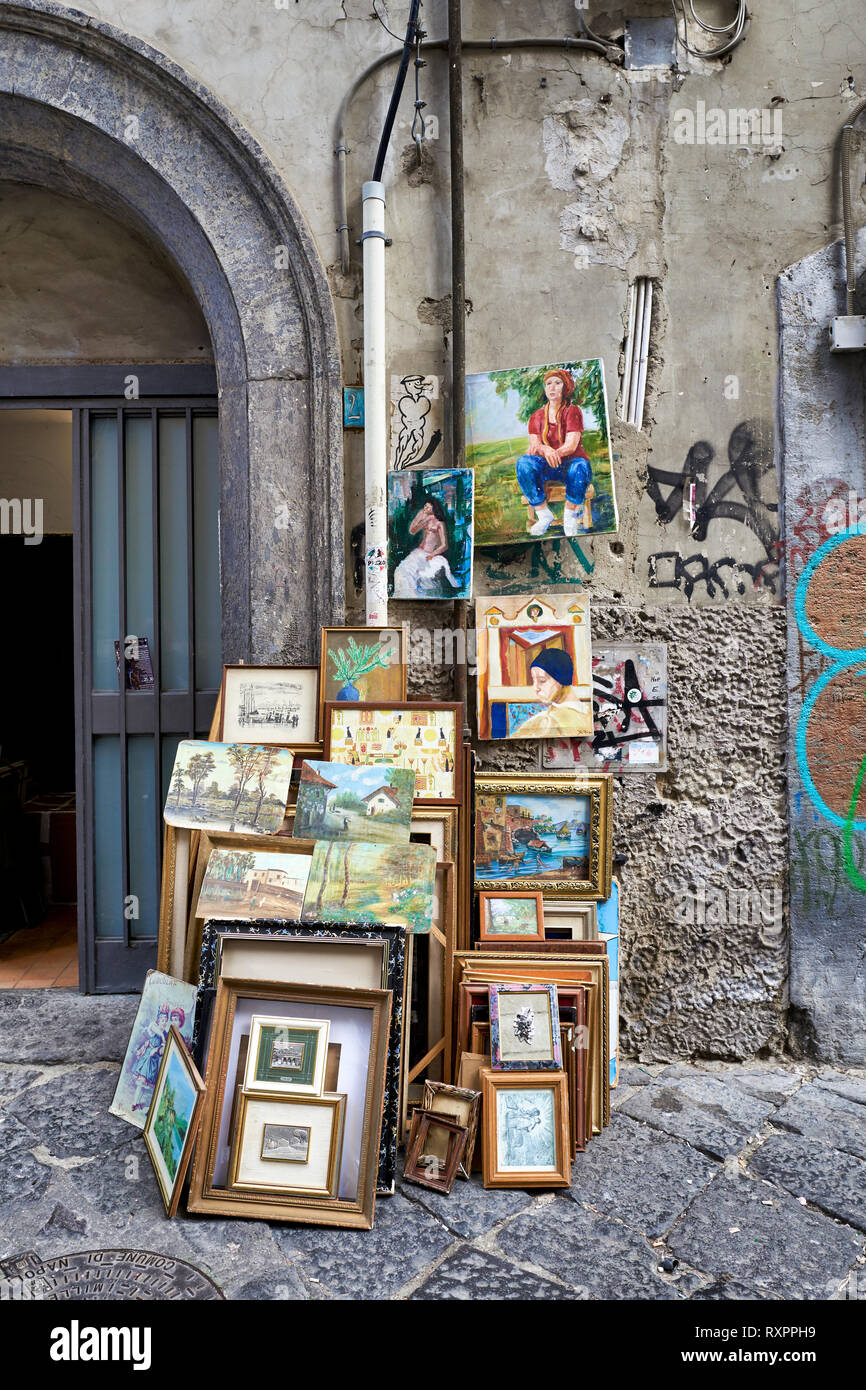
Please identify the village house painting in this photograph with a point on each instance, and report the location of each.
(339, 802)
(253, 883)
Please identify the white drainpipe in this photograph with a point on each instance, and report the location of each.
(375, 405)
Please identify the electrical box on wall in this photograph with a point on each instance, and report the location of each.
(848, 333)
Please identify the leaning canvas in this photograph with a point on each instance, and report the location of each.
(362, 882)
(240, 787)
(538, 439)
(430, 533)
(338, 802)
(164, 1001)
(246, 884)
(534, 667)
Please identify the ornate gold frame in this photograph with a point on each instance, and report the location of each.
(596, 786)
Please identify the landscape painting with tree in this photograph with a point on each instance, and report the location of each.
(538, 439)
(340, 802)
(361, 882)
(245, 883)
(238, 787)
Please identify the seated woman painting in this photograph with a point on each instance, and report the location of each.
(556, 455)
(424, 571)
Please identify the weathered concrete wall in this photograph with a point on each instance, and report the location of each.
(822, 425)
(581, 176)
(79, 286)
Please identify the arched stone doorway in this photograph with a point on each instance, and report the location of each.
(99, 115)
(95, 116)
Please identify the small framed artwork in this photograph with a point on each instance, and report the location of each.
(526, 1136)
(436, 1146)
(524, 1028)
(462, 1105)
(570, 921)
(362, 663)
(172, 1120)
(511, 916)
(290, 1144)
(270, 705)
(404, 734)
(287, 1055)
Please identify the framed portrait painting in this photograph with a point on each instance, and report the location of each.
(534, 667)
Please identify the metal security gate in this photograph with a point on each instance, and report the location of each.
(149, 657)
(146, 489)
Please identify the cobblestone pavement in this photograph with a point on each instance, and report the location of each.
(713, 1181)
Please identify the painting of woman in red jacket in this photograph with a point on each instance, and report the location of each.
(556, 455)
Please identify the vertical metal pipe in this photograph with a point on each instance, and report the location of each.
(458, 305)
(375, 404)
(629, 353)
(631, 417)
(121, 605)
(644, 353)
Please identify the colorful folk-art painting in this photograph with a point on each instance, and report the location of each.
(538, 440)
(164, 1001)
(423, 740)
(339, 802)
(239, 787)
(629, 701)
(525, 835)
(246, 883)
(534, 667)
(430, 533)
(363, 663)
(359, 882)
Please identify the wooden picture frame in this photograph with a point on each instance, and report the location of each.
(175, 1058)
(450, 711)
(465, 1106)
(569, 920)
(314, 958)
(512, 1045)
(426, 1124)
(288, 1111)
(495, 838)
(363, 636)
(508, 1138)
(206, 1196)
(307, 732)
(487, 929)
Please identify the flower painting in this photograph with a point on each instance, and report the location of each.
(239, 787)
(539, 443)
(363, 663)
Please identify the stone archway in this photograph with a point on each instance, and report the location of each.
(92, 112)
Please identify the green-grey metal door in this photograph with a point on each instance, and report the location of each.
(147, 572)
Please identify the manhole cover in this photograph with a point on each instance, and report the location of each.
(104, 1274)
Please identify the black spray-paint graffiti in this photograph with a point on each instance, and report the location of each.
(738, 495)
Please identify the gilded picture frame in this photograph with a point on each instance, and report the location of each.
(511, 805)
(167, 1116)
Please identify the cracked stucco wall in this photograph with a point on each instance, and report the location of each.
(576, 184)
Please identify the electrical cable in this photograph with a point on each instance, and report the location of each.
(847, 220)
(736, 29)
(408, 44)
(398, 37)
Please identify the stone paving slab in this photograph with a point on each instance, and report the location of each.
(781, 1248)
(469, 1210)
(820, 1114)
(69, 1114)
(58, 1025)
(770, 1084)
(827, 1178)
(707, 1112)
(638, 1175)
(596, 1257)
(850, 1087)
(472, 1275)
(727, 1290)
(14, 1079)
(375, 1264)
